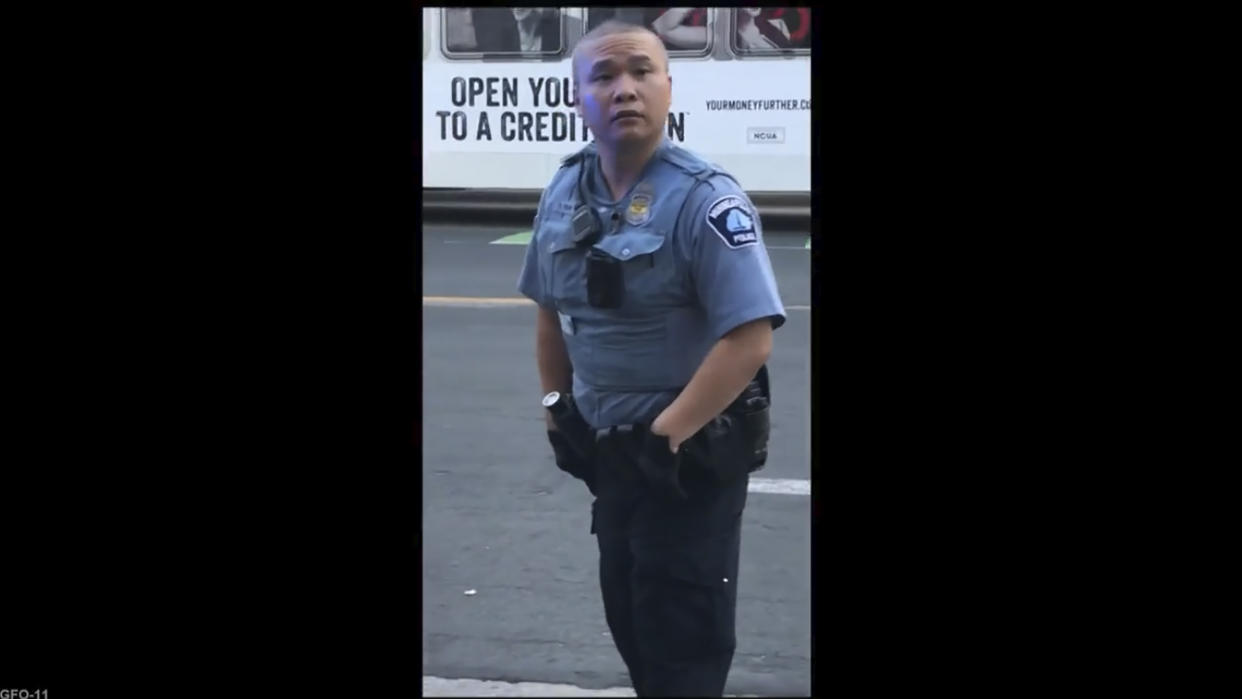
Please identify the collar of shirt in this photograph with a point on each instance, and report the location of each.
(598, 189)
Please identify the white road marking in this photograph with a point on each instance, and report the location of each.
(780, 486)
(476, 301)
(519, 238)
(439, 687)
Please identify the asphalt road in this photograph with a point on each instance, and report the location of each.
(500, 520)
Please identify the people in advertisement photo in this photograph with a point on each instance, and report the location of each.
(680, 28)
(772, 28)
(504, 30)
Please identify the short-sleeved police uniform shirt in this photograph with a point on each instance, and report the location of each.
(690, 246)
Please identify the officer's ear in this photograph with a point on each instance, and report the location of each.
(577, 99)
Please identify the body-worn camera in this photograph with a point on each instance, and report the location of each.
(605, 280)
(585, 226)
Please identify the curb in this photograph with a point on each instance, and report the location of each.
(516, 207)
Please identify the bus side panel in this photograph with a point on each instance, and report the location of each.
(506, 124)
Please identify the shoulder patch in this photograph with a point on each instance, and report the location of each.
(733, 220)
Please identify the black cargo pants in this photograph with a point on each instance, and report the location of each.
(668, 574)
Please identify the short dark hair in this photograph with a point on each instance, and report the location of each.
(609, 28)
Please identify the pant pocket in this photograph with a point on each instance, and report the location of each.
(684, 601)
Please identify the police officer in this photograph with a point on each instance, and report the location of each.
(656, 309)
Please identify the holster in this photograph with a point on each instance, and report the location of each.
(574, 443)
(735, 442)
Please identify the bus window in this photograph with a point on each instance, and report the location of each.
(771, 30)
(685, 31)
(469, 32)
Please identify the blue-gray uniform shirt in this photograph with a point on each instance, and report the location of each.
(695, 267)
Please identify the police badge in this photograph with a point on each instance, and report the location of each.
(639, 211)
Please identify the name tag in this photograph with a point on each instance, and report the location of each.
(567, 323)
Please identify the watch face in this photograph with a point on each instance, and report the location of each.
(550, 399)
